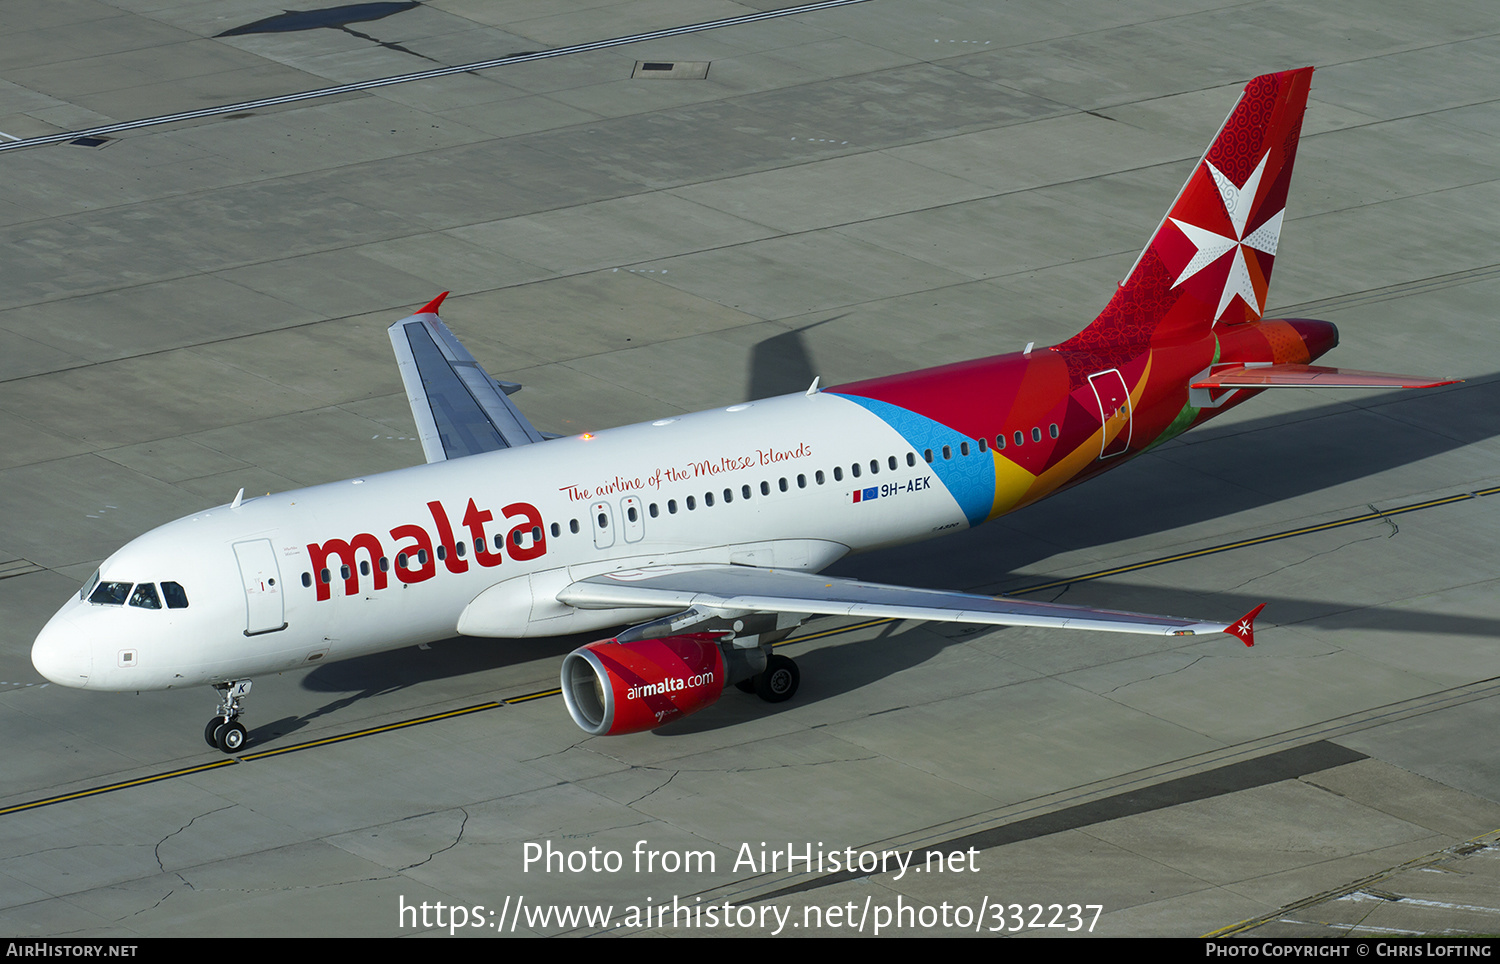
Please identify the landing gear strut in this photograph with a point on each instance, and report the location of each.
(224, 731)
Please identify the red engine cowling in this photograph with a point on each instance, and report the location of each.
(614, 687)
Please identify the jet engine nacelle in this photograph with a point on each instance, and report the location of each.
(613, 687)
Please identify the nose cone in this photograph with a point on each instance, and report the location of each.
(62, 653)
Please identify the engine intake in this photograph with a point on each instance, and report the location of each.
(613, 687)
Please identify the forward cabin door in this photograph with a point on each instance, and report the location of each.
(264, 609)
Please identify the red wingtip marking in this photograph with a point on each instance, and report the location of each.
(1243, 628)
(432, 306)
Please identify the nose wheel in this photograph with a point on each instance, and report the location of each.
(224, 731)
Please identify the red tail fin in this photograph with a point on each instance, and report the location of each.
(1209, 262)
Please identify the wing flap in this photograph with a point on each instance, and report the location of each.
(459, 409)
(754, 589)
(1312, 376)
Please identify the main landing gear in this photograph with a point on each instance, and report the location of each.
(777, 683)
(224, 731)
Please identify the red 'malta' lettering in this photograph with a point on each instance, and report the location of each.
(415, 560)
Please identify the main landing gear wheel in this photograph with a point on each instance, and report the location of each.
(780, 680)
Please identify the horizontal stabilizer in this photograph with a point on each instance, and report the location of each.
(459, 409)
(754, 589)
(1312, 376)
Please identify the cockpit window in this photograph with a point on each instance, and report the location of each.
(176, 595)
(145, 597)
(110, 593)
(88, 587)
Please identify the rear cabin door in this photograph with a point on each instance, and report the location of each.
(1114, 411)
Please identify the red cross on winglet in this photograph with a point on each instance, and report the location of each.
(1243, 628)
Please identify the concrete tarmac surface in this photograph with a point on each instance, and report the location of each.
(195, 306)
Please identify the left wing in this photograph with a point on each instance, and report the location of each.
(754, 589)
(459, 409)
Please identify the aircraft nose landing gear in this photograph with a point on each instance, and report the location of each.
(224, 731)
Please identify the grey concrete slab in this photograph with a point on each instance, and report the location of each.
(583, 316)
(843, 190)
(770, 279)
(613, 233)
(519, 115)
(453, 264)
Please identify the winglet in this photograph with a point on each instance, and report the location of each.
(432, 306)
(1243, 628)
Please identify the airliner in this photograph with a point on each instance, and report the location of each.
(704, 534)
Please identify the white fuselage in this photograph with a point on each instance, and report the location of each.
(350, 568)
